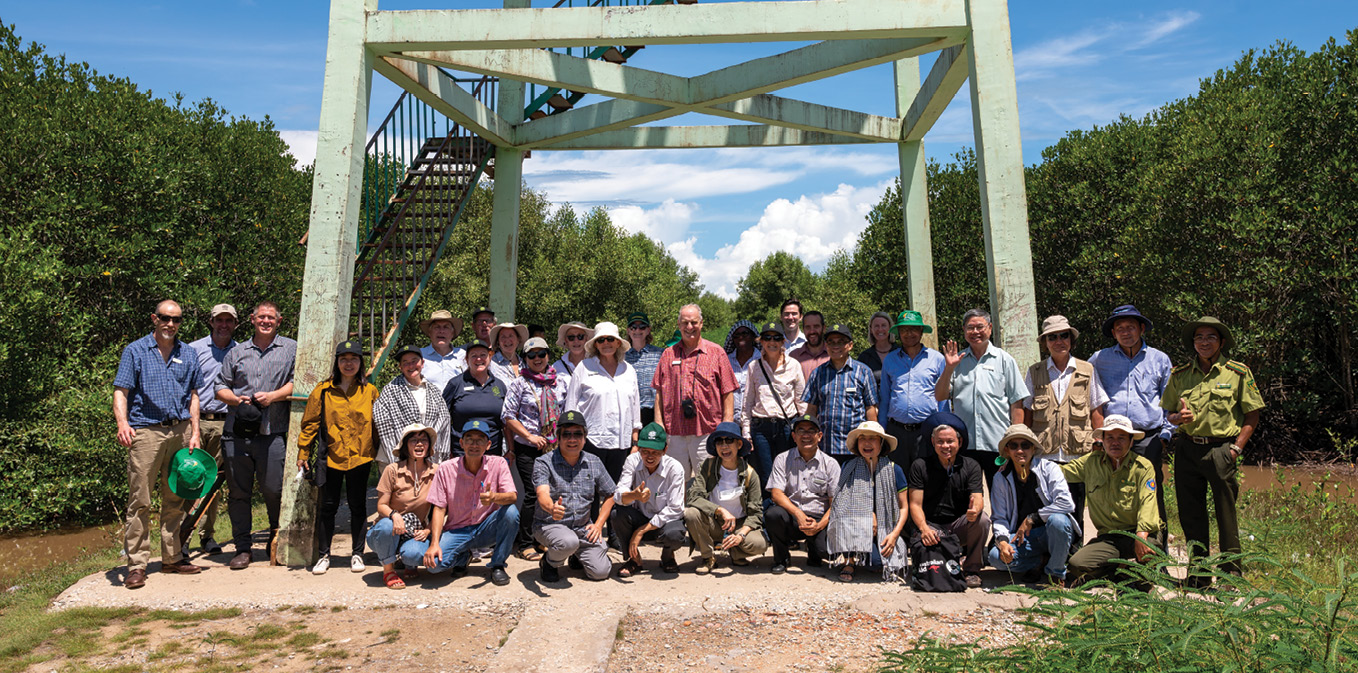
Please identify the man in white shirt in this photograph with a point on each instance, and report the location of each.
(650, 502)
(442, 361)
(791, 317)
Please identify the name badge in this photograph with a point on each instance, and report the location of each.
(467, 388)
(676, 363)
(177, 361)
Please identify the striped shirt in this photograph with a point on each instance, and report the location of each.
(210, 359)
(248, 370)
(703, 375)
(644, 361)
(578, 486)
(158, 390)
(842, 398)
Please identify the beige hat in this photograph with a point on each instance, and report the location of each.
(222, 308)
(418, 427)
(603, 329)
(576, 324)
(869, 428)
(535, 343)
(521, 330)
(1019, 431)
(1118, 422)
(441, 315)
(1054, 324)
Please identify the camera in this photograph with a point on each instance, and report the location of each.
(689, 408)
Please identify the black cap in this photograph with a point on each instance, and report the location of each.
(349, 347)
(571, 418)
(838, 328)
(481, 310)
(478, 344)
(408, 348)
(806, 418)
(775, 327)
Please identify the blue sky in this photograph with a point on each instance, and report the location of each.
(1078, 64)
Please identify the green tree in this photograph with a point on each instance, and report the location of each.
(771, 281)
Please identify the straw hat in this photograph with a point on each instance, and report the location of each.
(521, 330)
(576, 324)
(441, 315)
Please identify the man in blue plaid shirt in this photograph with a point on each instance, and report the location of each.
(841, 392)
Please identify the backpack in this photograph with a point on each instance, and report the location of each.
(936, 568)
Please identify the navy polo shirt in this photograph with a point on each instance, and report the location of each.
(469, 400)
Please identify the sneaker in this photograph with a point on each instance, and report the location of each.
(356, 564)
(706, 565)
(973, 581)
(550, 574)
(322, 565)
(499, 577)
(211, 547)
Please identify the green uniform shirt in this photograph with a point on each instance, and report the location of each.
(1121, 499)
(1219, 398)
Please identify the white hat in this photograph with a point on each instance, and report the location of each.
(574, 324)
(601, 330)
(869, 428)
(1118, 422)
(418, 427)
(521, 330)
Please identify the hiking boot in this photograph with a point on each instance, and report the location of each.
(550, 574)
(706, 565)
(136, 579)
(240, 561)
(181, 568)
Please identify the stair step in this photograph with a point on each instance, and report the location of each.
(612, 55)
(560, 102)
(537, 114)
(400, 246)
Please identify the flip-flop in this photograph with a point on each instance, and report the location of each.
(846, 574)
(393, 581)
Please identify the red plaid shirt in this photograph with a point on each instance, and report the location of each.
(703, 375)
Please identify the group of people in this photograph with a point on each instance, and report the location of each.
(782, 436)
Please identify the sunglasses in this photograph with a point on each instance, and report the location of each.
(174, 319)
(575, 337)
(1020, 446)
(770, 337)
(571, 435)
(605, 340)
(638, 326)
(726, 440)
(535, 355)
(1062, 336)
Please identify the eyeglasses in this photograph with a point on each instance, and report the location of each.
(837, 343)
(805, 430)
(571, 434)
(575, 337)
(175, 319)
(1061, 336)
(975, 328)
(771, 337)
(535, 355)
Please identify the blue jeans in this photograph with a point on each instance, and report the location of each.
(498, 530)
(1052, 539)
(388, 547)
(770, 437)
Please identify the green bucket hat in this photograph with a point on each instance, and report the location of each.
(1208, 321)
(652, 437)
(193, 472)
(912, 319)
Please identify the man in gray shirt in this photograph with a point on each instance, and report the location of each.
(255, 382)
(212, 350)
(802, 484)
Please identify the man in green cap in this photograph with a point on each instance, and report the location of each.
(1216, 404)
(909, 377)
(649, 502)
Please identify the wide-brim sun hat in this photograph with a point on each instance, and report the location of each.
(1055, 324)
(521, 330)
(912, 319)
(728, 429)
(418, 427)
(574, 324)
(1118, 422)
(1214, 323)
(949, 419)
(441, 315)
(1124, 311)
(601, 330)
(1019, 431)
(870, 428)
(193, 473)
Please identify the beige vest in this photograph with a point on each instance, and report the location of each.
(1064, 425)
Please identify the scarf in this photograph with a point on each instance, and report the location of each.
(863, 492)
(547, 405)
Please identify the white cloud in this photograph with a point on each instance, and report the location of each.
(1167, 26)
(301, 145)
(667, 222)
(1089, 46)
(813, 228)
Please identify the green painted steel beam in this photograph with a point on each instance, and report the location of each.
(728, 22)
(590, 119)
(505, 199)
(440, 92)
(326, 282)
(806, 116)
(945, 79)
(999, 163)
(745, 135)
(915, 207)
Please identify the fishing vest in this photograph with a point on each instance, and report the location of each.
(1063, 425)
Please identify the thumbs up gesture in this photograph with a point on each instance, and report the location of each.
(486, 495)
(1185, 413)
(558, 509)
(640, 493)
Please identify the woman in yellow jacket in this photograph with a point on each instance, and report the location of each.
(342, 408)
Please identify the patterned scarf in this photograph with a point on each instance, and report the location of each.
(547, 406)
(863, 492)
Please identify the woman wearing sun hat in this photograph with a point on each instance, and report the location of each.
(505, 340)
(604, 389)
(725, 502)
(570, 338)
(402, 527)
(340, 412)
(870, 507)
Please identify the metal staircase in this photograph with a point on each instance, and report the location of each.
(420, 172)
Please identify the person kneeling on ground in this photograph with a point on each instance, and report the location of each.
(869, 506)
(725, 502)
(473, 497)
(1033, 510)
(946, 495)
(567, 482)
(653, 507)
(1121, 487)
(402, 527)
(802, 484)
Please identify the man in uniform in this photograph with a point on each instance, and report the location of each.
(1216, 404)
(212, 350)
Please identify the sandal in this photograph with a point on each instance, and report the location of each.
(529, 554)
(668, 564)
(846, 574)
(410, 573)
(392, 580)
(629, 569)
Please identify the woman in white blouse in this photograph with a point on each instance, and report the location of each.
(773, 396)
(604, 389)
(571, 338)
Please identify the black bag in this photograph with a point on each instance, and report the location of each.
(315, 467)
(936, 568)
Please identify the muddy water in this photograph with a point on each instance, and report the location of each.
(34, 550)
(1342, 481)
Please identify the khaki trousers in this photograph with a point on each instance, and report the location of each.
(705, 529)
(148, 466)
